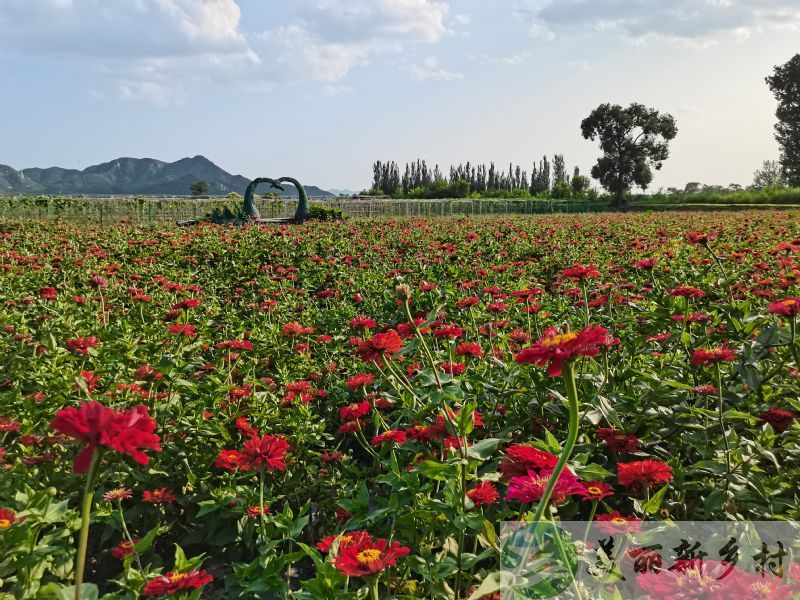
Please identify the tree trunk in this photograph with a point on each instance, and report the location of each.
(619, 200)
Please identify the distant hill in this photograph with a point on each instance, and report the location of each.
(125, 176)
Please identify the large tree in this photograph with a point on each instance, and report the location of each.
(633, 140)
(785, 84)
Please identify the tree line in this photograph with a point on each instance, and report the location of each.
(547, 179)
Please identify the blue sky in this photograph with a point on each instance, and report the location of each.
(319, 89)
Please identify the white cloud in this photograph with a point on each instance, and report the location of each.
(508, 59)
(686, 23)
(429, 70)
(151, 48)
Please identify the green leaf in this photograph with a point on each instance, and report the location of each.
(484, 449)
(436, 470)
(651, 506)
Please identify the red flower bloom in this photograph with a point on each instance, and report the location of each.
(618, 441)
(614, 523)
(647, 264)
(778, 418)
(123, 549)
(351, 412)
(520, 459)
(449, 332)
(596, 490)
(265, 452)
(359, 381)
(788, 307)
(706, 357)
(228, 459)
(174, 582)
(7, 518)
(393, 436)
(380, 345)
(8, 425)
(690, 579)
(531, 487)
(640, 473)
(367, 557)
(469, 349)
(555, 349)
(580, 272)
(187, 330)
(483, 493)
(257, 511)
(48, 293)
(686, 291)
(344, 539)
(363, 322)
(158, 496)
(82, 345)
(127, 432)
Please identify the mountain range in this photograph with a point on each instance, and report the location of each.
(124, 176)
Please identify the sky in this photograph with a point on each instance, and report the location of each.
(320, 89)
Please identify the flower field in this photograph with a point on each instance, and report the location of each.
(351, 409)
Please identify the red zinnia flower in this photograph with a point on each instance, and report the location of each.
(380, 345)
(393, 436)
(7, 518)
(695, 578)
(187, 330)
(351, 412)
(127, 432)
(175, 582)
(8, 424)
(483, 493)
(359, 381)
(344, 539)
(641, 473)
(614, 523)
(595, 490)
(531, 487)
(706, 357)
(618, 441)
(257, 511)
(686, 291)
(48, 293)
(788, 307)
(228, 459)
(82, 345)
(520, 459)
(469, 349)
(555, 348)
(123, 549)
(158, 496)
(778, 418)
(265, 452)
(368, 557)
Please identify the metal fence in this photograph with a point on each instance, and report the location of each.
(153, 210)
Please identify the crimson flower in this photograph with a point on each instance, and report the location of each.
(531, 487)
(158, 496)
(174, 582)
(82, 345)
(788, 307)
(266, 452)
(379, 346)
(779, 419)
(640, 473)
(123, 549)
(392, 436)
(555, 348)
(596, 490)
(618, 441)
(257, 511)
(614, 523)
(695, 578)
(706, 357)
(351, 412)
(469, 349)
(7, 518)
(344, 539)
(483, 493)
(127, 432)
(186, 330)
(48, 293)
(367, 556)
(359, 381)
(520, 459)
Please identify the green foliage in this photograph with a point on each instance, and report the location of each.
(633, 140)
(320, 212)
(199, 188)
(785, 85)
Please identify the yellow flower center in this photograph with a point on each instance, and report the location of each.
(762, 590)
(5, 523)
(619, 521)
(693, 578)
(558, 340)
(594, 491)
(176, 577)
(367, 556)
(790, 302)
(345, 539)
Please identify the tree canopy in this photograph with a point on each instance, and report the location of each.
(634, 140)
(785, 85)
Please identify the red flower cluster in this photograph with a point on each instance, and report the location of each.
(266, 452)
(520, 459)
(554, 349)
(127, 432)
(361, 380)
(707, 357)
(779, 419)
(364, 556)
(379, 346)
(618, 441)
(82, 345)
(7, 518)
(788, 307)
(643, 473)
(483, 493)
(174, 582)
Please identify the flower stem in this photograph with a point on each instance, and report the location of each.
(86, 511)
(572, 436)
(373, 589)
(724, 431)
